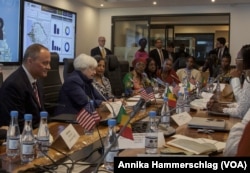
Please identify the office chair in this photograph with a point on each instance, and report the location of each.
(1, 79)
(113, 73)
(52, 85)
(124, 65)
(68, 67)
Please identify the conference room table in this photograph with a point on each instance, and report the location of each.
(88, 143)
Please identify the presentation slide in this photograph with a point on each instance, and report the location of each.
(9, 31)
(51, 27)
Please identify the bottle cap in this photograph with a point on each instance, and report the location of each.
(13, 113)
(152, 113)
(27, 116)
(165, 99)
(44, 114)
(111, 122)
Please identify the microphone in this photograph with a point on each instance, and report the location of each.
(159, 81)
(112, 108)
(137, 108)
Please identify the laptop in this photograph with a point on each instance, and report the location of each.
(66, 118)
(207, 123)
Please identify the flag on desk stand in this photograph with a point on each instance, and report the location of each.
(88, 118)
(171, 98)
(122, 119)
(147, 94)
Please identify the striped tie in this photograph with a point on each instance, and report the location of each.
(36, 93)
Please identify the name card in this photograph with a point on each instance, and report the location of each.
(69, 136)
(181, 118)
(139, 141)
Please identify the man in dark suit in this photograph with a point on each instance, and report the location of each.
(158, 54)
(101, 50)
(221, 49)
(18, 92)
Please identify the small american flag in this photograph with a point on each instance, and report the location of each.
(88, 117)
(147, 94)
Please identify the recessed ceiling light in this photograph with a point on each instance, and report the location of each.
(154, 3)
(101, 5)
(212, 0)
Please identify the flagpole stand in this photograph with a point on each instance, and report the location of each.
(167, 131)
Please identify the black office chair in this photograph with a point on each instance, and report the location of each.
(113, 73)
(124, 65)
(68, 67)
(1, 79)
(52, 85)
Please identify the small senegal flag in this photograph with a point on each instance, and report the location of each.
(127, 132)
(122, 119)
(122, 112)
(171, 98)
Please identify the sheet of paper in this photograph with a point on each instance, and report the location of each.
(130, 103)
(116, 106)
(181, 118)
(70, 136)
(139, 141)
(206, 95)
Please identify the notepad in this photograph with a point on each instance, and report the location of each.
(207, 123)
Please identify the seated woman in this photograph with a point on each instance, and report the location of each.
(100, 82)
(224, 69)
(151, 70)
(142, 53)
(77, 90)
(133, 81)
(167, 73)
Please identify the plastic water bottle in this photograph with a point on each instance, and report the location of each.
(179, 103)
(218, 90)
(27, 140)
(43, 135)
(186, 100)
(165, 113)
(13, 136)
(109, 140)
(151, 138)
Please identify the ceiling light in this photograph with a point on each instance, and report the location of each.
(101, 5)
(154, 3)
(212, 0)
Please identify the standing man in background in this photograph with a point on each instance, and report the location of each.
(158, 54)
(101, 50)
(21, 90)
(221, 49)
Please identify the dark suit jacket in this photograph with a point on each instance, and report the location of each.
(17, 94)
(75, 94)
(155, 55)
(96, 51)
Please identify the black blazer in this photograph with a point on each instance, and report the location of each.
(17, 94)
(96, 51)
(155, 55)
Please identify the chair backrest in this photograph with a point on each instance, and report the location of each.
(113, 73)
(68, 67)
(1, 79)
(52, 85)
(124, 65)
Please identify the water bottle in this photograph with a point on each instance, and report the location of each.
(179, 104)
(218, 90)
(165, 113)
(109, 140)
(186, 100)
(27, 140)
(151, 137)
(43, 135)
(13, 136)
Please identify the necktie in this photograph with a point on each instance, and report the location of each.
(36, 93)
(103, 53)
(161, 56)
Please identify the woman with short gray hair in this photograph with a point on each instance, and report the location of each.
(77, 90)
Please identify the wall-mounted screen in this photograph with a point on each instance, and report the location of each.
(9, 31)
(50, 26)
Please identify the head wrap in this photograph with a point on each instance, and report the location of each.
(136, 60)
